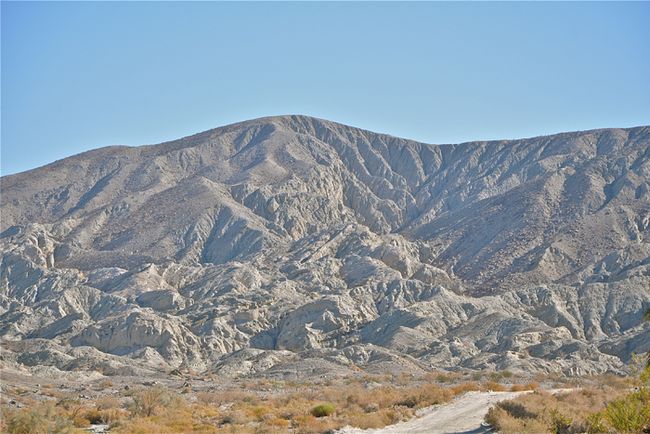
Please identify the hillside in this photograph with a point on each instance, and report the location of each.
(293, 246)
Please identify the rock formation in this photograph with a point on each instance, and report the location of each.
(295, 246)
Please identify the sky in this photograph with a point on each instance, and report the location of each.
(77, 76)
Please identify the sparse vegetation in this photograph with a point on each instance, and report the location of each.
(608, 406)
(249, 406)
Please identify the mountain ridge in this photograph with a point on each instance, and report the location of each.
(290, 236)
(313, 118)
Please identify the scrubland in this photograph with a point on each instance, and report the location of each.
(604, 403)
(251, 406)
(610, 404)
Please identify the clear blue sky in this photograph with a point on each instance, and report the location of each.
(77, 76)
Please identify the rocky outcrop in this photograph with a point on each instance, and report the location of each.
(292, 246)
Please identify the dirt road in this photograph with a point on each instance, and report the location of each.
(462, 415)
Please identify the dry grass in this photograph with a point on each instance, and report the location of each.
(523, 387)
(275, 407)
(461, 388)
(579, 411)
(493, 386)
(366, 402)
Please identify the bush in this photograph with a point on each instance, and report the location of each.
(409, 402)
(26, 422)
(41, 419)
(560, 424)
(107, 403)
(260, 412)
(630, 413)
(540, 412)
(279, 423)
(516, 410)
(94, 416)
(595, 424)
(371, 408)
(495, 416)
(147, 402)
(495, 387)
(465, 387)
(323, 410)
(524, 387)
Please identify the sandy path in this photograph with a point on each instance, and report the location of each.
(462, 415)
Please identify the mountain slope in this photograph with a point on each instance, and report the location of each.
(293, 237)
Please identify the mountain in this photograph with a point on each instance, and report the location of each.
(292, 246)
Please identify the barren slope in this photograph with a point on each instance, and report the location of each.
(293, 245)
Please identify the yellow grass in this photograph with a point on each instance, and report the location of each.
(276, 407)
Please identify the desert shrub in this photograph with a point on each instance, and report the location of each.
(259, 412)
(310, 424)
(108, 402)
(142, 426)
(147, 402)
(505, 423)
(68, 403)
(177, 418)
(204, 428)
(517, 410)
(26, 422)
(465, 387)
(323, 410)
(523, 387)
(433, 395)
(80, 421)
(53, 393)
(358, 397)
(40, 419)
(409, 401)
(496, 416)
(375, 419)
(401, 379)
(500, 375)
(236, 417)
(93, 415)
(559, 423)
(226, 397)
(113, 416)
(371, 408)
(630, 413)
(444, 378)
(585, 410)
(279, 422)
(495, 387)
(208, 398)
(595, 424)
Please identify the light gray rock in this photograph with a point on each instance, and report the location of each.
(292, 246)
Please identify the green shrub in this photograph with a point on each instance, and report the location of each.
(595, 424)
(630, 413)
(41, 419)
(323, 410)
(26, 422)
(560, 424)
